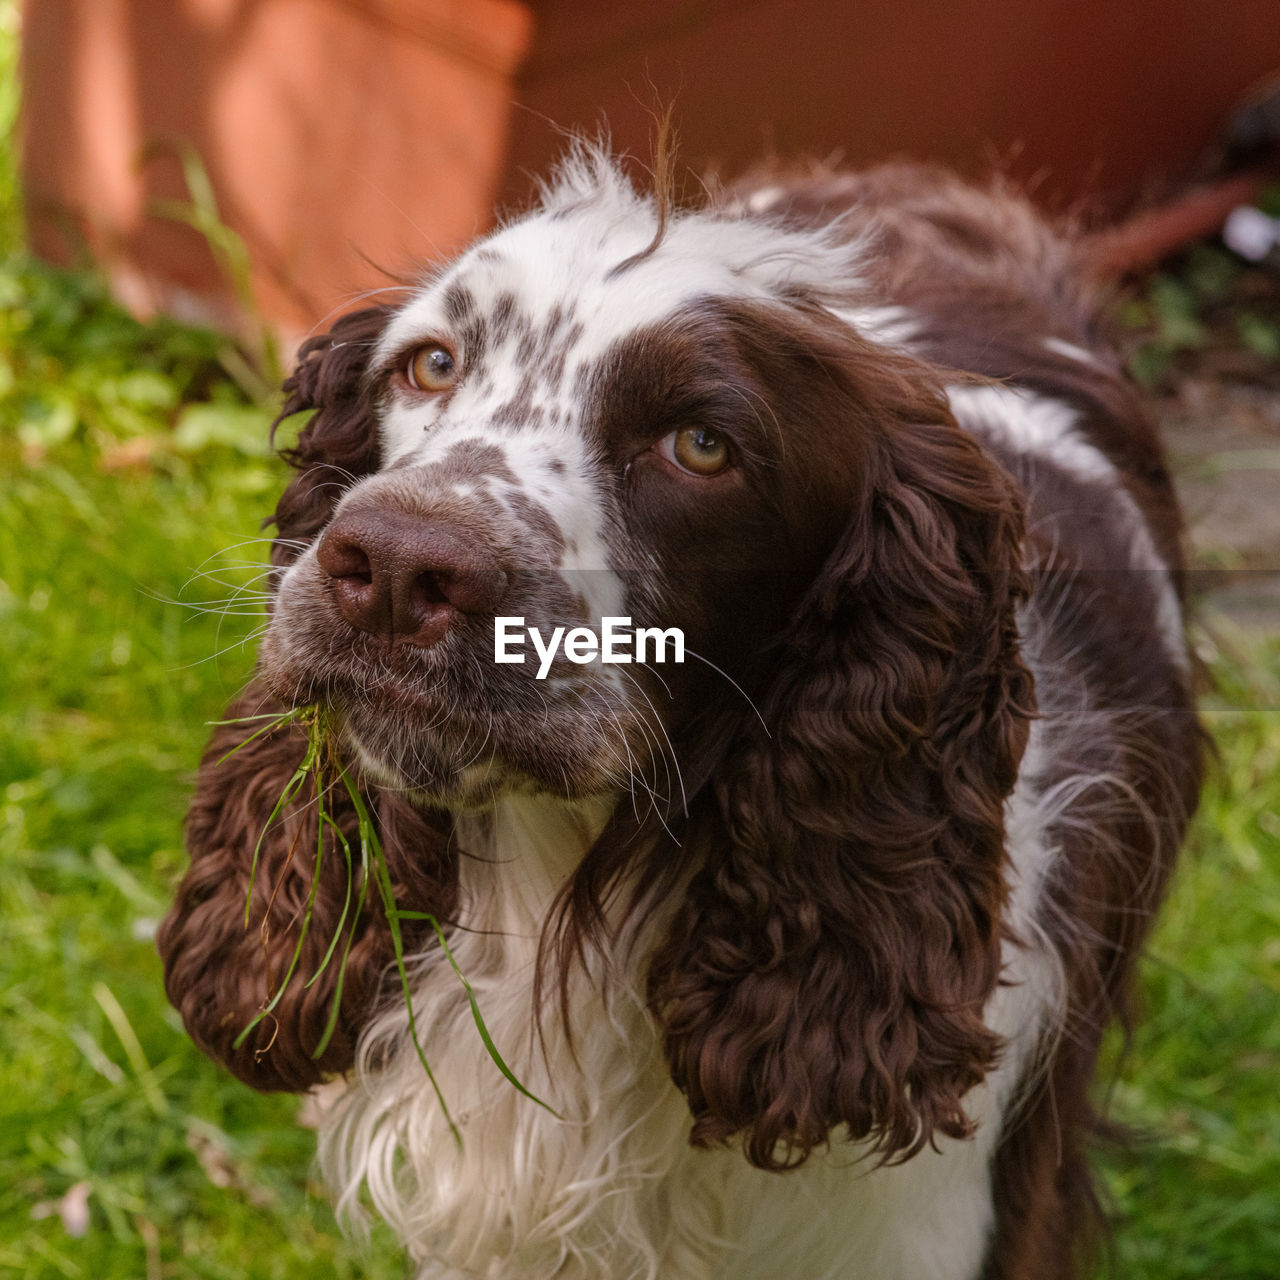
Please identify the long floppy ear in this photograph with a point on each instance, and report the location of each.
(221, 972)
(339, 444)
(831, 960)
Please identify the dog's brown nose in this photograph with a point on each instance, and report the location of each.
(402, 576)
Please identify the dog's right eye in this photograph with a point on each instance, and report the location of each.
(695, 450)
(432, 368)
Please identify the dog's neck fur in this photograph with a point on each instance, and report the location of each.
(515, 858)
(521, 1183)
(612, 1188)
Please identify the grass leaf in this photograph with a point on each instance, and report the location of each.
(480, 1023)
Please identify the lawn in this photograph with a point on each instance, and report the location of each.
(107, 683)
(135, 475)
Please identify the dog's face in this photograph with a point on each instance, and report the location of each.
(569, 428)
(583, 420)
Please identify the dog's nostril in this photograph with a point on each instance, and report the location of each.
(427, 589)
(342, 559)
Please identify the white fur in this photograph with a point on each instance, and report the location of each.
(891, 326)
(588, 226)
(1046, 431)
(1073, 351)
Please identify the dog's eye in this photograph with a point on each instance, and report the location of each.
(696, 450)
(432, 368)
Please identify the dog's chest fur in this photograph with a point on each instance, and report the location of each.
(611, 1188)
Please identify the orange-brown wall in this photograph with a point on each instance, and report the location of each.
(1107, 98)
(344, 139)
(351, 138)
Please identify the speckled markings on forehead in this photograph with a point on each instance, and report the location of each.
(546, 293)
(532, 311)
(475, 459)
(511, 429)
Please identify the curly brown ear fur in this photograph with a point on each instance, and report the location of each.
(340, 443)
(831, 960)
(219, 973)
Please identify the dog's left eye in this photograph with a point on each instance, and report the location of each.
(432, 368)
(696, 450)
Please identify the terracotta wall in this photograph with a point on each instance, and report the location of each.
(350, 140)
(345, 139)
(1099, 98)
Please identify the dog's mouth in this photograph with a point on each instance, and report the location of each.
(465, 759)
(411, 749)
(455, 730)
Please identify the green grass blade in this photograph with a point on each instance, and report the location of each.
(291, 789)
(327, 1034)
(480, 1024)
(395, 915)
(311, 765)
(375, 862)
(132, 1046)
(273, 722)
(343, 843)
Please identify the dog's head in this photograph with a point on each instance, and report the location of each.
(696, 430)
(564, 426)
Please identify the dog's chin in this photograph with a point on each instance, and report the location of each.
(432, 771)
(470, 788)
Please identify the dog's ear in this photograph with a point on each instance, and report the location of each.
(220, 971)
(339, 444)
(829, 965)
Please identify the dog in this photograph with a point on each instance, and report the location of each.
(804, 945)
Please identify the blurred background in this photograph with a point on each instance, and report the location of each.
(346, 139)
(188, 187)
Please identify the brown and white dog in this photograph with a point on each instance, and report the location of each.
(811, 939)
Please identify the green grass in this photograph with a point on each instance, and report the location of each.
(106, 688)
(1199, 1194)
